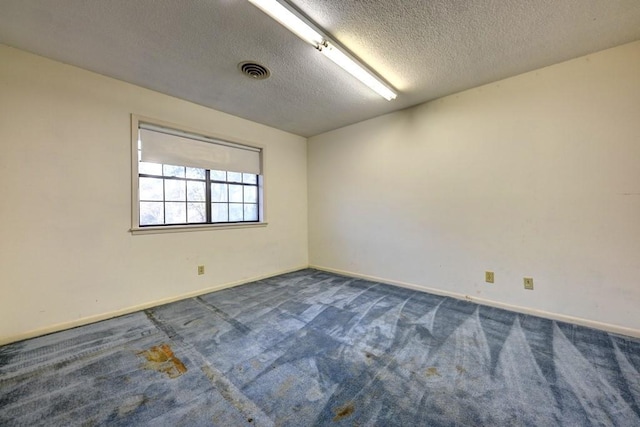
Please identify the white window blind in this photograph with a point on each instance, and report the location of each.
(173, 147)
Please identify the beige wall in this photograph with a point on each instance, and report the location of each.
(536, 175)
(66, 255)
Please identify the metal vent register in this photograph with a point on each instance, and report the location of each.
(254, 70)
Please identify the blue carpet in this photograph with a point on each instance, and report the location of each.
(313, 348)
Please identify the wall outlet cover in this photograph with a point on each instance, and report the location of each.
(489, 277)
(528, 283)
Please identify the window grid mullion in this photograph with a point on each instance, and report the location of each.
(243, 203)
(177, 178)
(207, 198)
(226, 177)
(186, 203)
(164, 202)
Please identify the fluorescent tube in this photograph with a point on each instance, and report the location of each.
(295, 23)
(356, 70)
(289, 20)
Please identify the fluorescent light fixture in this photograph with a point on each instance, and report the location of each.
(301, 27)
(289, 20)
(356, 70)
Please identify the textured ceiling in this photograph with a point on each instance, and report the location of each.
(426, 49)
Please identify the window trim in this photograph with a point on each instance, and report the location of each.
(135, 197)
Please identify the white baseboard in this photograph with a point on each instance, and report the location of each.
(491, 303)
(616, 329)
(104, 316)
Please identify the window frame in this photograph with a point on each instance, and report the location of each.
(136, 228)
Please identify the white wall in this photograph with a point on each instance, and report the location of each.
(66, 255)
(536, 175)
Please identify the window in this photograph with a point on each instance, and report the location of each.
(186, 180)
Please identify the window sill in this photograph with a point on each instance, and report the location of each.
(200, 227)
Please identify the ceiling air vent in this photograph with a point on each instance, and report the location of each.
(254, 70)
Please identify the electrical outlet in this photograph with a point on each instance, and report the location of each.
(200, 270)
(488, 276)
(528, 283)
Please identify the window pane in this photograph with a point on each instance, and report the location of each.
(235, 212)
(250, 194)
(196, 212)
(176, 213)
(234, 177)
(196, 191)
(218, 192)
(249, 178)
(195, 173)
(219, 212)
(151, 213)
(150, 168)
(175, 190)
(218, 175)
(170, 170)
(250, 212)
(151, 189)
(235, 193)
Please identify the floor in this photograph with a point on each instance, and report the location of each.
(314, 348)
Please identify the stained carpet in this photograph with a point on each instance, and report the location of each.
(313, 348)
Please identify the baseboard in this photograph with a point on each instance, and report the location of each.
(616, 329)
(491, 303)
(105, 316)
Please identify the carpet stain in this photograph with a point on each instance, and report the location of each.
(131, 404)
(161, 358)
(225, 391)
(314, 393)
(343, 411)
(286, 385)
(460, 369)
(432, 372)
